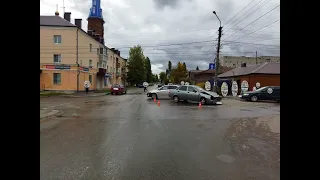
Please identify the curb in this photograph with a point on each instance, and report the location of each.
(75, 96)
(50, 114)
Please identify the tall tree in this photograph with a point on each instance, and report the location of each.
(179, 73)
(136, 65)
(162, 76)
(197, 68)
(148, 70)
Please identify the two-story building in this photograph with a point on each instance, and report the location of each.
(69, 56)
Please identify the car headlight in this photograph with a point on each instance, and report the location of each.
(245, 94)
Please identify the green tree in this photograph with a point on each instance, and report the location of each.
(179, 73)
(184, 67)
(136, 65)
(148, 70)
(155, 78)
(197, 68)
(162, 76)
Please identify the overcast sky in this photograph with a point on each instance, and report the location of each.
(183, 30)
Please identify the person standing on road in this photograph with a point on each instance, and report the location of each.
(87, 86)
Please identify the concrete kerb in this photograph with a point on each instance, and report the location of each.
(46, 116)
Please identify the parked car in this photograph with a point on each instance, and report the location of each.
(194, 93)
(118, 89)
(139, 86)
(161, 92)
(160, 85)
(263, 93)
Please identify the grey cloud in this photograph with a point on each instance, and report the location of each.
(154, 23)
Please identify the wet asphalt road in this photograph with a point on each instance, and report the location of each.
(130, 137)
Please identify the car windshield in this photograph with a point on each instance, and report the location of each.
(115, 85)
(198, 88)
(261, 89)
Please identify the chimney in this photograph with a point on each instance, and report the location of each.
(244, 65)
(78, 22)
(67, 16)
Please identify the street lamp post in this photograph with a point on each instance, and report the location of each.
(217, 59)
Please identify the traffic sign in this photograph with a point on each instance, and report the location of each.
(211, 65)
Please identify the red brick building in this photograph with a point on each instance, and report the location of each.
(267, 74)
(201, 76)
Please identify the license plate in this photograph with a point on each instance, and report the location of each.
(115, 89)
(219, 103)
(240, 96)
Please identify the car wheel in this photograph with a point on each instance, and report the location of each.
(203, 100)
(176, 99)
(154, 96)
(254, 98)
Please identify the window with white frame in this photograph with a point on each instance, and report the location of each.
(57, 39)
(57, 58)
(80, 62)
(90, 62)
(90, 46)
(56, 78)
(101, 50)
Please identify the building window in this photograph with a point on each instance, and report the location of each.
(57, 58)
(56, 78)
(90, 62)
(101, 50)
(98, 51)
(80, 62)
(90, 78)
(57, 39)
(90, 46)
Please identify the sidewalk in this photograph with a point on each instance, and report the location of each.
(83, 94)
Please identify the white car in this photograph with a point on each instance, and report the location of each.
(161, 92)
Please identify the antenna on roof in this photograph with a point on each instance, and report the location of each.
(63, 7)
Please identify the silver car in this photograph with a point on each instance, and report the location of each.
(161, 92)
(194, 93)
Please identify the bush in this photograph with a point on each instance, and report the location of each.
(201, 85)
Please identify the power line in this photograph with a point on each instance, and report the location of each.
(238, 12)
(254, 21)
(249, 14)
(263, 28)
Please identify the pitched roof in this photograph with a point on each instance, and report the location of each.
(264, 68)
(55, 21)
(222, 69)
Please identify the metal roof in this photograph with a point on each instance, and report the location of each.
(55, 21)
(264, 68)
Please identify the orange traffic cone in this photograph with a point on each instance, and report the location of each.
(200, 105)
(158, 102)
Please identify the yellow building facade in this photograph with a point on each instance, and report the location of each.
(69, 56)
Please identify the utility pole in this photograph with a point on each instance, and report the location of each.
(217, 59)
(77, 56)
(256, 57)
(217, 62)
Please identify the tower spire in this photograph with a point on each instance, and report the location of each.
(95, 10)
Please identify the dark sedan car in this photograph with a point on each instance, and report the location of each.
(264, 93)
(118, 89)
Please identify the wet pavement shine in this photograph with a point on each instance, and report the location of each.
(129, 137)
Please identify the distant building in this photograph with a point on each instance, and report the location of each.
(267, 74)
(236, 61)
(116, 68)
